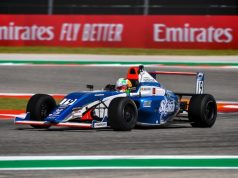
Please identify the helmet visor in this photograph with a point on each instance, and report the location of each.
(122, 87)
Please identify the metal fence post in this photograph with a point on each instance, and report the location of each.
(146, 7)
(50, 7)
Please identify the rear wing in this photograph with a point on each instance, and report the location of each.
(199, 78)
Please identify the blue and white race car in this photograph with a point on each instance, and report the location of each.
(147, 103)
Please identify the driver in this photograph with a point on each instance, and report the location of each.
(123, 85)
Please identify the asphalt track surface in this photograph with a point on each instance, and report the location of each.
(176, 139)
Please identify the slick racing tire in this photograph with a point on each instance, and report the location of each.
(202, 110)
(122, 114)
(39, 106)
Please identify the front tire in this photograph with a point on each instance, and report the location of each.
(122, 114)
(39, 106)
(202, 111)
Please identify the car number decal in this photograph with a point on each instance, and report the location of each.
(68, 102)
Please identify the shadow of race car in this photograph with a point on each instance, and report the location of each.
(147, 103)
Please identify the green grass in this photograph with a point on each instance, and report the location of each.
(15, 104)
(116, 51)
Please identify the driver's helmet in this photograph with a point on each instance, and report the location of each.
(123, 84)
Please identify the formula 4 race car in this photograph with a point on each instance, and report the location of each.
(147, 104)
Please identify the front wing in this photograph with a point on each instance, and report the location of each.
(27, 121)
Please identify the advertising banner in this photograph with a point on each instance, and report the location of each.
(170, 32)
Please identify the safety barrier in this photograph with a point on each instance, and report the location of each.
(171, 32)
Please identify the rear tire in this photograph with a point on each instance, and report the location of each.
(39, 106)
(122, 114)
(202, 111)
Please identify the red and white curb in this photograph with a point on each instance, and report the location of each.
(227, 106)
(10, 114)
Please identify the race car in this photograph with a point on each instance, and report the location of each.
(145, 103)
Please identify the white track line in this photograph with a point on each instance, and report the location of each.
(103, 157)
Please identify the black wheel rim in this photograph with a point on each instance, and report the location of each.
(128, 113)
(210, 111)
(44, 111)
